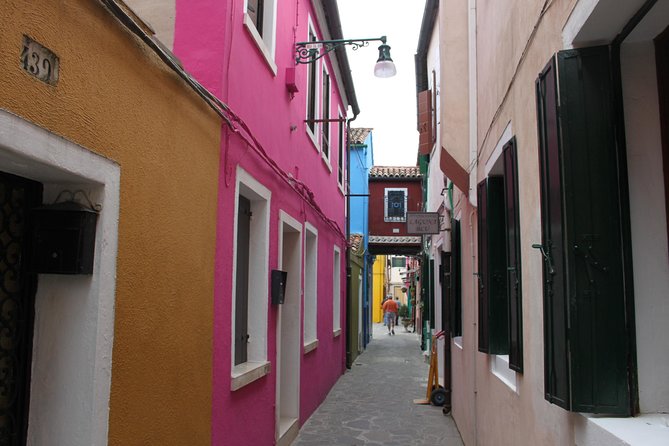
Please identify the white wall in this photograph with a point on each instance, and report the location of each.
(649, 225)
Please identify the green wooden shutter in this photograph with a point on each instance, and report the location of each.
(482, 200)
(556, 372)
(513, 270)
(593, 232)
(456, 283)
(242, 280)
(493, 306)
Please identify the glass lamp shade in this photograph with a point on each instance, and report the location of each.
(384, 65)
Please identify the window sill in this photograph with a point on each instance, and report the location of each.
(336, 332)
(260, 43)
(644, 430)
(246, 373)
(310, 346)
(499, 366)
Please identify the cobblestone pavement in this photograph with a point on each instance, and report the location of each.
(372, 404)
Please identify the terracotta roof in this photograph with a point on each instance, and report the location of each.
(358, 136)
(395, 172)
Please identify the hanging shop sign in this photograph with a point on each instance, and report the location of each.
(422, 222)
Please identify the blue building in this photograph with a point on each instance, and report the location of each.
(362, 160)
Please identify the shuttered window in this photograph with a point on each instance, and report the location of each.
(456, 281)
(500, 306)
(513, 270)
(493, 302)
(587, 355)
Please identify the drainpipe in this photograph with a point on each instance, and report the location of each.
(348, 237)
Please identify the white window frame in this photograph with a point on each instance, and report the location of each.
(257, 365)
(386, 218)
(341, 150)
(310, 332)
(266, 42)
(325, 124)
(313, 135)
(336, 292)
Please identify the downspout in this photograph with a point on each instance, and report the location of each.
(348, 236)
(473, 157)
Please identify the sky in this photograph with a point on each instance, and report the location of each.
(386, 105)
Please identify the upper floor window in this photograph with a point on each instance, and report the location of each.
(312, 74)
(255, 10)
(260, 21)
(325, 125)
(395, 204)
(340, 154)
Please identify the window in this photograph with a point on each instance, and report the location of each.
(587, 338)
(310, 287)
(340, 158)
(395, 204)
(251, 261)
(255, 10)
(398, 262)
(336, 292)
(325, 125)
(500, 309)
(456, 280)
(312, 74)
(260, 22)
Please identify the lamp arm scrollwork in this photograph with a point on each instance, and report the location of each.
(308, 52)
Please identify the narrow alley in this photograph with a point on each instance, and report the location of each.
(372, 404)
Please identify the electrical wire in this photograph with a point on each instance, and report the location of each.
(234, 122)
(544, 9)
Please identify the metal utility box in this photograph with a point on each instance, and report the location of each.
(278, 286)
(63, 240)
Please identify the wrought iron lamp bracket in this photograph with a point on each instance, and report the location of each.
(308, 52)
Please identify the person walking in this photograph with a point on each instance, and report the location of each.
(390, 310)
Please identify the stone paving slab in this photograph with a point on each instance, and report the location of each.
(372, 404)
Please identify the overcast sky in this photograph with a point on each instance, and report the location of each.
(386, 105)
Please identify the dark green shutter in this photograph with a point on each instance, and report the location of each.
(493, 307)
(586, 366)
(513, 276)
(242, 280)
(456, 302)
(482, 201)
(593, 251)
(556, 372)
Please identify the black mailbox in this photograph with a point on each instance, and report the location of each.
(278, 286)
(63, 239)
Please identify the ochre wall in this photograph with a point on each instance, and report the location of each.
(116, 98)
(379, 280)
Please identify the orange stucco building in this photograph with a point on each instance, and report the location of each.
(126, 129)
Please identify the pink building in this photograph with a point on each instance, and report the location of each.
(281, 204)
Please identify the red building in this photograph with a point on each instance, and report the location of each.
(393, 191)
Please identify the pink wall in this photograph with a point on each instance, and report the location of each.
(213, 44)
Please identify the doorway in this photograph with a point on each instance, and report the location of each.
(288, 331)
(17, 304)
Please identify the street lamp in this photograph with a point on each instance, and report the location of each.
(309, 52)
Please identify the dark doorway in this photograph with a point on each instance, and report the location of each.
(17, 296)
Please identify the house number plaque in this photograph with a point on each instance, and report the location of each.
(39, 61)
